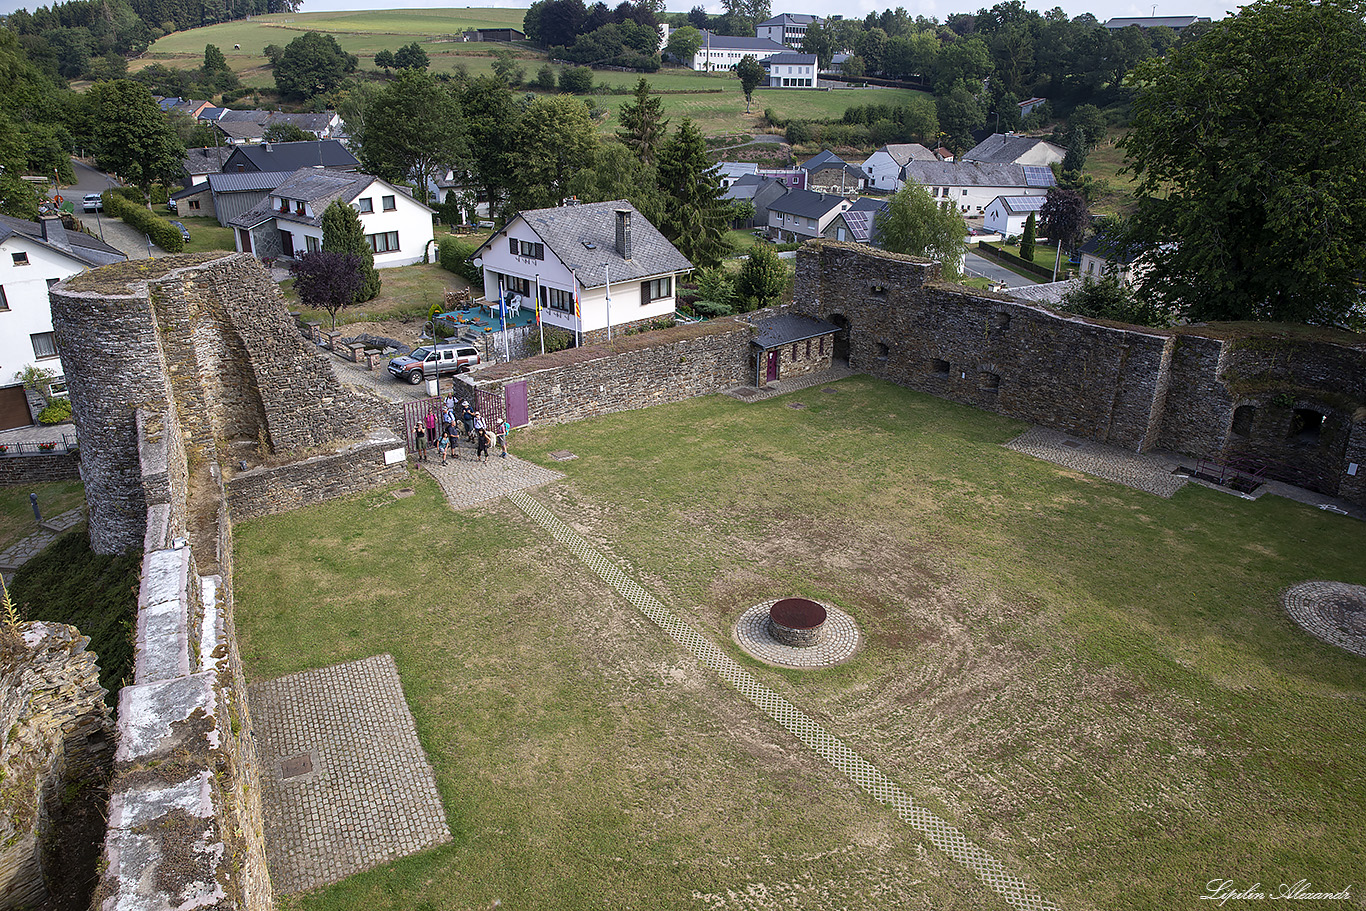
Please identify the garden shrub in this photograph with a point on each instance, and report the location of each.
(453, 254)
(57, 411)
(136, 215)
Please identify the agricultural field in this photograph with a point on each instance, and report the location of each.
(1096, 685)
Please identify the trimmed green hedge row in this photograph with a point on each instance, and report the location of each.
(164, 234)
(1016, 261)
(453, 254)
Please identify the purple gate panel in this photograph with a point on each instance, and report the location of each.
(516, 403)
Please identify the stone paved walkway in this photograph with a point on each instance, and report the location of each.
(345, 784)
(1015, 891)
(805, 381)
(466, 482)
(19, 554)
(1142, 471)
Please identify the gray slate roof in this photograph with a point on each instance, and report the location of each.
(291, 156)
(205, 161)
(806, 203)
(790, 19)
(903, 152)
(965, 174)
(869, 204)
(791, 58)
(1172, 22)
(78, 246)
(317, 186)
(786, 328)
(1002, 149)
(564, 230)
(824, 158)
(731, 43)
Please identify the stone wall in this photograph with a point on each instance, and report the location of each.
(208, 334)
(267, 490)
(668, 365)
(35, 469)
(1299, 405)
(55, 733)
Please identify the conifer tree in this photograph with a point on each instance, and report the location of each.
(644, 126)
(1031, 235)
(343, 233)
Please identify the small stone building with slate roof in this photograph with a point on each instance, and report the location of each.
(788, 344)
(594, 267)
(828, 173)
(289, 222)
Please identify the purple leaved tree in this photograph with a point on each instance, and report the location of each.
(327, 281)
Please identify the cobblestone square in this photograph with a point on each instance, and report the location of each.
(369, 797)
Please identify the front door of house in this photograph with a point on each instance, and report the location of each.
(287, 244)
(244, 237)
(771, 370)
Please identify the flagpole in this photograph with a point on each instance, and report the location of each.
(608, 280)
(539, 325)
(501, 311)
(578, 316)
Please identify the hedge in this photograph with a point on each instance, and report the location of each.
(454, 254)
(1016, 261)
(164, 234)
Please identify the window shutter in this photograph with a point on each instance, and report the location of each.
(512, 243)
(644, 292)
(540, 251)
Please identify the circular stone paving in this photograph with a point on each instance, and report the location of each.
(840, 639)
(1332, 611)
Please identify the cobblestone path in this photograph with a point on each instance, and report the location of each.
(1334, 612)
(19, 554)
(1150, 473)
(466, 481)
(345, 784)
(1014, 890)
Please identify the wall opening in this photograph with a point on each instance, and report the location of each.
(841, 352)
(1306, 426)
(988, 381)
(939, 366)
(878, 291)
(883, 352)
(1242, 419)
(1002, 320)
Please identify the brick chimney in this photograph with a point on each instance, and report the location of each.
(624, 233)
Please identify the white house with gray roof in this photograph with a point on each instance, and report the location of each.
(786, 28)
(289, 222)
(802, 215)
(34, 256)
(971, 185)
(1010, 148)
(884, 166)
(591, 266)
(723, 52)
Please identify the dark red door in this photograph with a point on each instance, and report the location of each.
(14, 410)
(244, 236)
(287, 243)
(771, 370)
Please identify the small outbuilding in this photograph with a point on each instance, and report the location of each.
(788, 345)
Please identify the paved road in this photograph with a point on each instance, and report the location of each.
(134, 244)
(981, 266)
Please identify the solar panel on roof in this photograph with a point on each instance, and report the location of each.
(1027, 203)
(1036, 176)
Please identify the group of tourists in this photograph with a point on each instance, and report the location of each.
(443, 432)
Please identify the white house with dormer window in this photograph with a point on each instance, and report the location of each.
(289, 222)
(592, 267)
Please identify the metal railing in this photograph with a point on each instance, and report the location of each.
(67, 443)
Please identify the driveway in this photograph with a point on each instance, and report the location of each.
(112, 231)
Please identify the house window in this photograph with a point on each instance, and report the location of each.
(388, 203)
(655, 290)
(194, 204)
(20, 258)
(365, 205)
(555, 299)
(312, 243)
(4, 301)
(284, 205)
(44, 345)
(383, 243)
(822, 346)
(794, 352)
(298, 207)
(526, 248)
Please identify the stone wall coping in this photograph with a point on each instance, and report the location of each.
(162, 648)
(379, 436)
(150, 713)
(139, 806)
(136, 275)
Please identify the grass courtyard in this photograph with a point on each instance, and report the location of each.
(1096, 685)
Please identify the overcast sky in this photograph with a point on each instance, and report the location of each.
(1102, 9)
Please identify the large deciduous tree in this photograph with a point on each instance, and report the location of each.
(643, 123)
(915, 225)
(555, 141)
(1064, 217)
(1246, 143)
(761, 279)
(412, 130)
(343, 233)
(132, 136)
(695, 215)
(312, 64)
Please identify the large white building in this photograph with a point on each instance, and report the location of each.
(972, 186)
(724, 52)
(591, 266)
(289, 222)
(786, 28)
(34, 256)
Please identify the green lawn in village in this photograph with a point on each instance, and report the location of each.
(1097, 685)
(16, 510)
